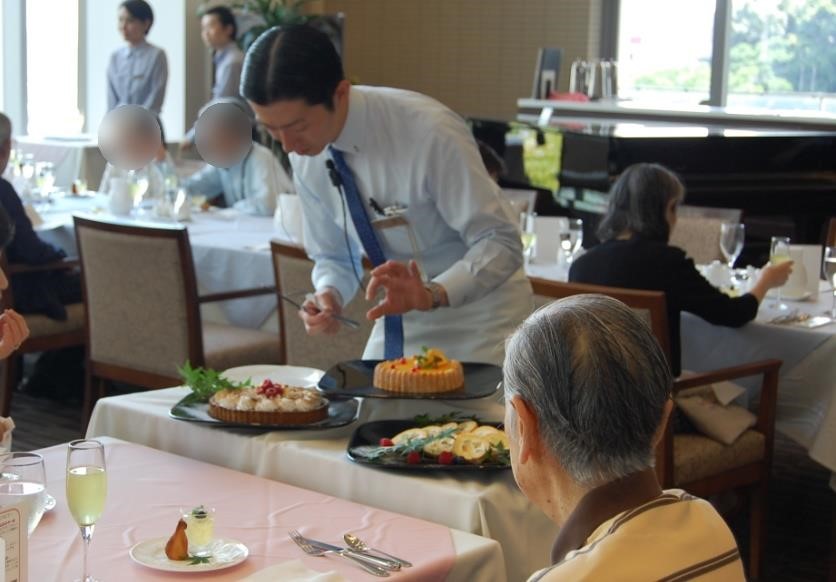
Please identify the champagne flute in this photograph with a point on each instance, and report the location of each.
(779, 253)
(731, 242)
(830, 273)
(86, 489)
(23, 483)
(139, 186)
(529, 235)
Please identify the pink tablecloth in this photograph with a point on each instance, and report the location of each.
(146, 488)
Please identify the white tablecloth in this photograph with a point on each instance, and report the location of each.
(489, 505)
(73, 157)
(230, 251)
(806, 409)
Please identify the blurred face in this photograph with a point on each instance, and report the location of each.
(215, 35)
(304, 129)
(132, 29)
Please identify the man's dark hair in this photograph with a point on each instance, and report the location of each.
(225, 17)
(638, 201)
(294, 62)
(141, 10)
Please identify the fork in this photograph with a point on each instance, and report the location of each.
(300, 541)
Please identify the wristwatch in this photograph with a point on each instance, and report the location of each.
(436, 291)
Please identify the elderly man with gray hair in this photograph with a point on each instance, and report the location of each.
(588, 393)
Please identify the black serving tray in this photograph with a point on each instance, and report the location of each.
(356, 377)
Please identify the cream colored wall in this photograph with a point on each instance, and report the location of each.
(476, 56)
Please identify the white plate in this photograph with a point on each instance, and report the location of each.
(291, 375)
(225, 554)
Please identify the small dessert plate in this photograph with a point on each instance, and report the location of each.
(225, 554)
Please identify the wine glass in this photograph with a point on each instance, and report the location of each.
(779, 252)
(830, 273)
(23, 483)
(731, 242)
(571, 239)
(139, 186)
(529, 235)
(86, 489)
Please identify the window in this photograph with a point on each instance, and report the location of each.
(52, 67)
(667, 63)
(783, 54)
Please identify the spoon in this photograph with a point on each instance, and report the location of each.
(359, 545)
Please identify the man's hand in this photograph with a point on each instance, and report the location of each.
(13, 332)
(318, 311)
(403, 287)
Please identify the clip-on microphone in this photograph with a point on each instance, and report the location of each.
(336, 179)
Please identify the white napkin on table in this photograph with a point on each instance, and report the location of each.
(292, 571)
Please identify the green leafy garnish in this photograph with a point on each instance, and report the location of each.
(195, 560)
(499, 455)
(199, 512)
(204, 382)
(425, 419)
(406, 447)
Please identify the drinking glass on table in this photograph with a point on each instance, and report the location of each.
(529, 235)
(830, 273)
(23, 483)
(86, 489)
(779, 252)
(731, 242)
(138, 180)
(571, 240)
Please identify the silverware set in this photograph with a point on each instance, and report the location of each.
(371, 560)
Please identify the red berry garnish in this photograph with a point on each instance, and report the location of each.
(445, 458)
(413, 458)
(386, 443)
(403, 360)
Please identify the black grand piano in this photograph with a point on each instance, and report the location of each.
(785, 182)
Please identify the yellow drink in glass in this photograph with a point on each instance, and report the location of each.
(86, 493)
(200, 530)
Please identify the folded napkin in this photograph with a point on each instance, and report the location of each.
(292, 571)
(710, 410)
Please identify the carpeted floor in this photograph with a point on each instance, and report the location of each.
(801, 515)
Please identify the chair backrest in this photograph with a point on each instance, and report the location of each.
(649, 305)
(697, 231)
(292, 269)
(140, 293)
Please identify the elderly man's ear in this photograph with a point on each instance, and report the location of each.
(526, 430)
(660, 430)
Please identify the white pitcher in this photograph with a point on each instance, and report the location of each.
(120, 202)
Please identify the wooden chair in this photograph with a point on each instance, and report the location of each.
(143, 310)
(694, 462)
(292, 269)
(45, 334)
(697, 231)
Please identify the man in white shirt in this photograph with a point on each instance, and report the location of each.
(587, 397)
(246, 174)
(361, 154)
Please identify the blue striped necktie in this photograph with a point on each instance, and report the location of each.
(392, 324)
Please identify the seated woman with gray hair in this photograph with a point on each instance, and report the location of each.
(587, 397)
(634, 253)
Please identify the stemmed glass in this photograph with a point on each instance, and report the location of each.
(830, 273)
(731, 242)
(779, 252)
(23, 483)
(529, 235)
(571, 240)
(138, 180)
(86, 489)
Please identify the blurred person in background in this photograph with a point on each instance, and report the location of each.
(137, 73)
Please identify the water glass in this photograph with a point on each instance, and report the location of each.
(571, 239)
(779, 252)
(200, 529)
(731, 241)
(529, 234)
(829, 269)
(23, 483)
